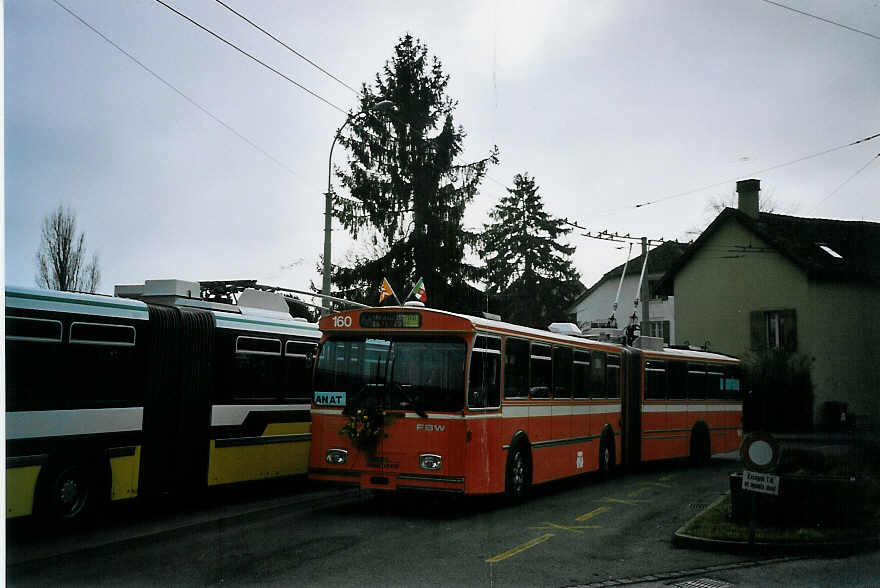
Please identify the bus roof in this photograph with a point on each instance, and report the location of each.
(457, 322)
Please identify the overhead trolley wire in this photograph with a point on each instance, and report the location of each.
(845, 182)
(178, 91)
(249, 56)
(756, 172)
(283, 44)
(837, 24)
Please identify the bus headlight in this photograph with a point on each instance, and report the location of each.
(429, 461)
(336, 456)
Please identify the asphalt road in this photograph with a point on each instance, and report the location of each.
(578, 533)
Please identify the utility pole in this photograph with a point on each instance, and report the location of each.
(644, 293)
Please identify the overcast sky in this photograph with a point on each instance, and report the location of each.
(607, 104)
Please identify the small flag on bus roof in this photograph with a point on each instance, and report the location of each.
(386, 291)
(419, 291)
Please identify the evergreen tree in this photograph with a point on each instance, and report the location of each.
(411, 194)
(527, 270)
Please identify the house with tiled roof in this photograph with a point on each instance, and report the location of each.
(595, 305)
(755, 281)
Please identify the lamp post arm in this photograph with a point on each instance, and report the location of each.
(328, 210)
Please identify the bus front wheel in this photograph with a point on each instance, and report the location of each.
(69, 495)
(519, 474)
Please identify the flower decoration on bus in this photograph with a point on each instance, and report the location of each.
(365, 428)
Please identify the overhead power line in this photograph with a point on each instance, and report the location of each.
(756, 172)
(283, 44)
(179, 92)
(837, 24)
(249, 56)
(845, 182)
(616, 237)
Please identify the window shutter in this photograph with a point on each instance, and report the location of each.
(789, 325)
(758, 336)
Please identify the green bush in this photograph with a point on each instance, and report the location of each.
(779, 392)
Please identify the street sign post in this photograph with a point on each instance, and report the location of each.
(763, 483)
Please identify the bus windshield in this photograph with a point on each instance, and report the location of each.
(397, 373)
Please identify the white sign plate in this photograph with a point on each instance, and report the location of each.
(764, 483)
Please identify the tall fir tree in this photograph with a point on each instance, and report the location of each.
(410, 192)
(528, 272)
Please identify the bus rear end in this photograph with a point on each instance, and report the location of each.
(388, 403)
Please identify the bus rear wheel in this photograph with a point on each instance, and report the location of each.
(701, 446)
(518, 477)
(606, 457)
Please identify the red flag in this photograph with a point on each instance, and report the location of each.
(385, 291)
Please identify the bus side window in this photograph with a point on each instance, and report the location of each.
(676, 379)
(299, 357)
(581, 374)
(655, 380)
(597, 375)
(562, 372)
(714, 383)
(731, 381)
(107, 353)
(516, 368)
(256, 367)
(30, 344)
(484, 386)
(696, 381)
(613, 376)
(541, 372)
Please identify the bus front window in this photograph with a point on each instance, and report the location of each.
(395, 374)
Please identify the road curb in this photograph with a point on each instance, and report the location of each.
(837, 548)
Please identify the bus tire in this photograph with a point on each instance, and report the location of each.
(69, 494)
(518, 475)
(607, 458)
(701, 445)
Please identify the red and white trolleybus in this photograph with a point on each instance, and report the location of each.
(414, 398)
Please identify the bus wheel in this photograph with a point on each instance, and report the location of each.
(69, 495)
(606, 457)
(701, 448)
(519, 474)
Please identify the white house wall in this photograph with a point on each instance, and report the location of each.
(599, 304)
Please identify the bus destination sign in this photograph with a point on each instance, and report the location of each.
(390, 320)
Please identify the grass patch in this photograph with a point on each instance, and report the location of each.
(714, 523)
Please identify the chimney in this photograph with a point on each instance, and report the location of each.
(747, 191)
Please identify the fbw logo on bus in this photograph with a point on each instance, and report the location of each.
(423, 427)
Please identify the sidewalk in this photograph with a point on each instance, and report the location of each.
(119, 529)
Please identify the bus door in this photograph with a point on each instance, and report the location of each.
(177, 410)
(655, 411)
(484, 402)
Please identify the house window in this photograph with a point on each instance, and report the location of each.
(659, 329)
(652, 290)
(774, 329)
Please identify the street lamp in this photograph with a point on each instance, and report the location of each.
(382, 106)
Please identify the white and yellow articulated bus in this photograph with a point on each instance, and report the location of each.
(156, 391)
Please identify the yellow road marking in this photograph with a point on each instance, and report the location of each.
(519, 548)
(635, 493)
(593, 513)
(630, 502)
(571, 528)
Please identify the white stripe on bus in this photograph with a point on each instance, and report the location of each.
(58, 423)
(234, 414)
(519, 411)
(646, 408)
